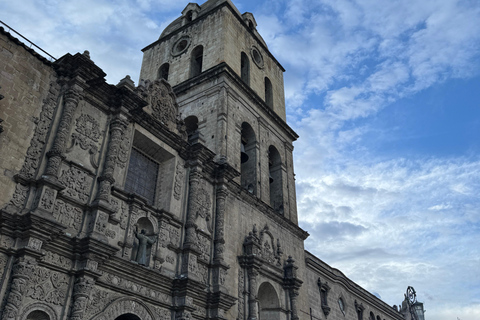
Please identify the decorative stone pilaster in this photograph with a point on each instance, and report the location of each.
(117, 128)
(190, 225)
(292, 285)
(220, 223)
(252, 296)
(56, 153)
(81, 294)
(21, 272)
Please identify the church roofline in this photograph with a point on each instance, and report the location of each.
(335, 275)
(205, 14)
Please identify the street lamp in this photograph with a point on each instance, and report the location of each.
(415, 307)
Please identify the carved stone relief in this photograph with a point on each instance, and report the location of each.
(162, 102)
(134, 287)
(121, 210)
(179, 178)
(98, 300)
(43, 124)
(203, 204)
(123, 306)
(19, 196)
(49, 286)
(124, 149)
(47, 199)
(203, 244)
(87, 134)
(77, 183)
(241, 294)
(202, 273)
(3, 263)
(110, 233)
(34, 244)
(7, 242)
(102, 222)
(68, 214)
(58, 260)
(162, 313)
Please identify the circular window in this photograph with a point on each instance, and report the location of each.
(180, 46)
(257, 57)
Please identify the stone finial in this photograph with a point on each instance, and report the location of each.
(126, 82)
(86, 53)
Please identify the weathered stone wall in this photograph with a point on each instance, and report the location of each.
(25, 81)
(340, 287)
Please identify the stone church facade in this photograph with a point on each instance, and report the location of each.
(173, 199)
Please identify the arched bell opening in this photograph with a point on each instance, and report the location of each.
(196, 61)
(268, 303)
(128, 316)
(245, 68)
(163, 71)
(191, 124)
(275, 179)
(248, 158)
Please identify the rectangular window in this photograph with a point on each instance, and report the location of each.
(142, 175)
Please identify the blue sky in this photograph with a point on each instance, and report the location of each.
(385, 96)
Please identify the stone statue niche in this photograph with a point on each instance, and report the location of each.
(143, 242)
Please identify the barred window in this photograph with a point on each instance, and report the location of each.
(142, 175)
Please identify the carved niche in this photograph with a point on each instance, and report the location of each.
(264, 246)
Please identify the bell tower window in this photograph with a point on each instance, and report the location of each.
(163, 71)
(275, 179)
(268, 93)
(196, 61)
(248, 148)
(245, 68)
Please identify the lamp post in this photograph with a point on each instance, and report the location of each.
(415, 307)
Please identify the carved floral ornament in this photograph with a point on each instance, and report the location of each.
(162, 101)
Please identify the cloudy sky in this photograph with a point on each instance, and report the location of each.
(385, 96)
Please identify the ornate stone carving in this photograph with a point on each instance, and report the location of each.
(68, 214)
(162, 101)
(110, 233)
(77, 183)
(58, 260)
(101, 222)
(22, 271)
(19, 196)
(179, 176)
(203, 245)
(49, 286)
(117, 128)
(124, 306)
(162, 313)
(37, 144)
(202, 272)
(81, 293)
(121, 210)
(56, 154)
(87, 131)
(241, 294)
(174, 234)
(34, 244)
(3, 263)
(123, 149)
(7, 242)
(220, 223)
(98, 300)
(48, 199)
(203, 204)
(135, 288)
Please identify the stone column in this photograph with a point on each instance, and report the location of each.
(293, 303)
(252, 294)
(56, 153)
(21, 272)
(190, 225)
(292, 285)
(117, 128)
(81, 293)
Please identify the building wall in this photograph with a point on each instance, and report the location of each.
(25, 82)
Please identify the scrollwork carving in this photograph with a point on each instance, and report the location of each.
(68, 214)
(179, 177)
(49, 286)
(77, 183)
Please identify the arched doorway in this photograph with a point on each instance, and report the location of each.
(268, 303)
(128, 316)
(38, 315)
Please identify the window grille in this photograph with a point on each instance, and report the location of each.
(142, 176)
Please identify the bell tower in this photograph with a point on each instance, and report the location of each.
(230, 92)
